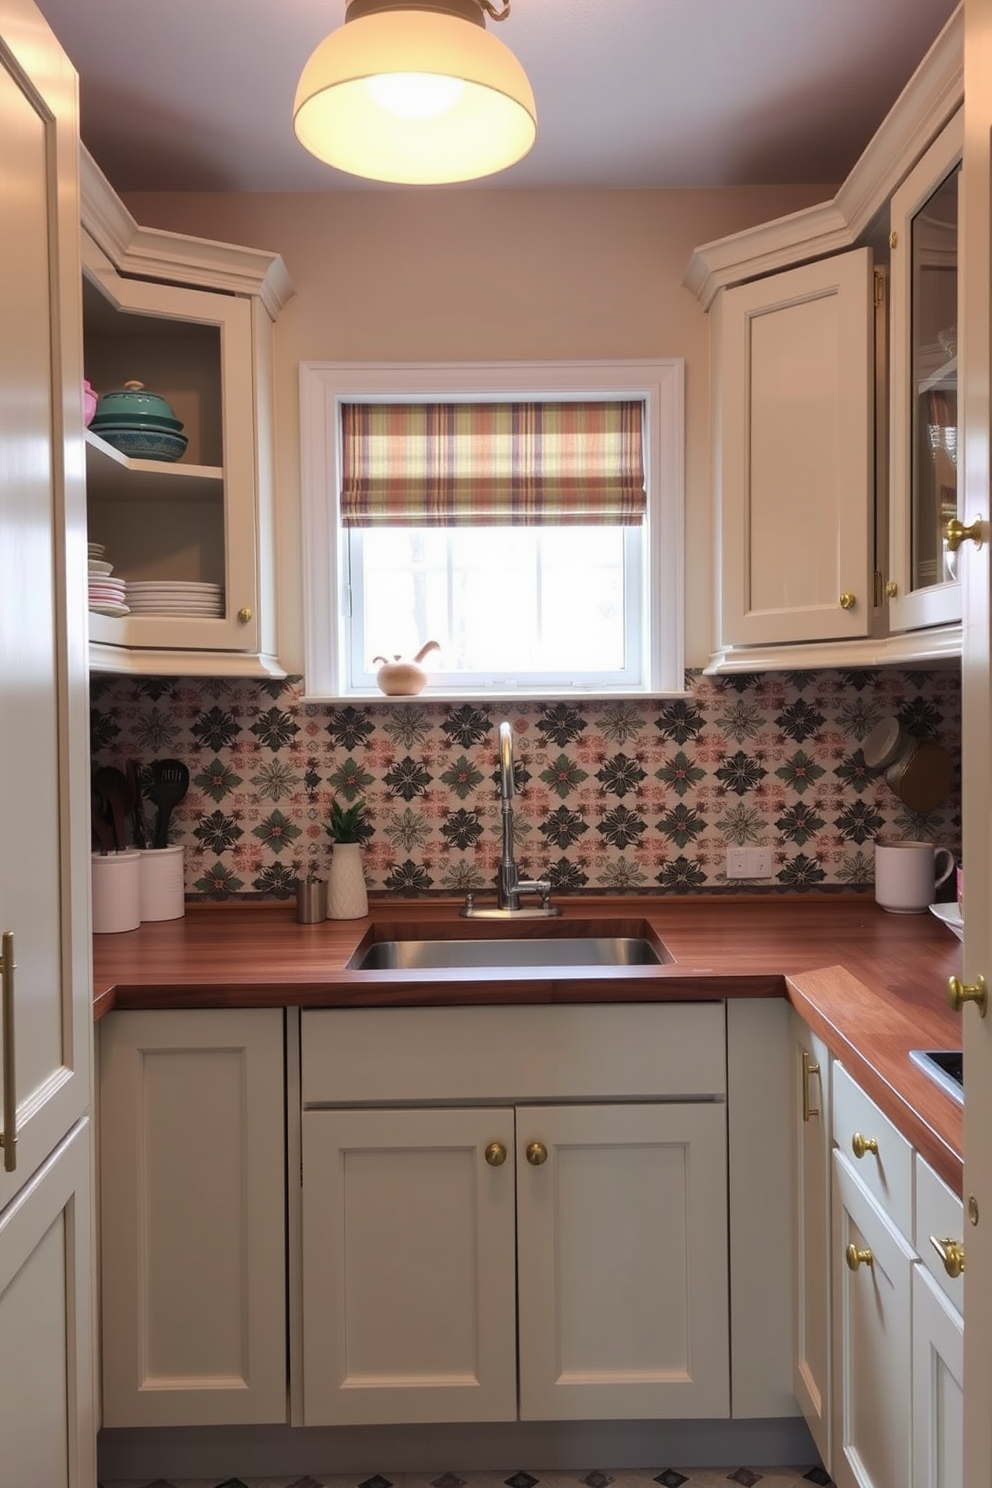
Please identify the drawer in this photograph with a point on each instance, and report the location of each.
(938, 1212)
(368, 1056)
(886, 1165)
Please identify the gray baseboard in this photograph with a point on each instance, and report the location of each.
(548, 1446)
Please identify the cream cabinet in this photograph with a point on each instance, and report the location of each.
(793, 357)
(938, 1333)
(811, 1128)
(47, 1389)
(191, 321)
(922, 583)
(47, 1403)
(192, 1201)
(586, 1234)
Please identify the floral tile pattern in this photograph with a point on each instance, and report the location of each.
(626, 796)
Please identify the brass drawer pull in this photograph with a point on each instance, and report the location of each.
(860, 1145)
(951, 1252)
(810, 1067)
(495, 1154)
(958, 993)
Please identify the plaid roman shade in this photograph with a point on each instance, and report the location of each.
(487, 464)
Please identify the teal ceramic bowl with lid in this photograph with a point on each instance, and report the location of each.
(134, 407)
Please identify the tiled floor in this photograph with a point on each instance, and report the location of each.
(669, 1477)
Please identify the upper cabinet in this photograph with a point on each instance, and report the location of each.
(192, 321)
(922, 585)
(834, 404)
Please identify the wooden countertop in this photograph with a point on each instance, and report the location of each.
(871, 984)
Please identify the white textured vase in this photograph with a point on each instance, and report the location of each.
(347, 898)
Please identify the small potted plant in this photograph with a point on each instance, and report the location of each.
(347, 897)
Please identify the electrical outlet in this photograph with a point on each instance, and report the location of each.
(749, 862)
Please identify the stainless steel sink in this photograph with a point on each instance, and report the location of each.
(500, 951)
(945, 1068)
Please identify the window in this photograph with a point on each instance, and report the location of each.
(526, 516)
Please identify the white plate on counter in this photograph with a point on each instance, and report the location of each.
(950, 914)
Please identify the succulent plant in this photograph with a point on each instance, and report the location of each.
(347, 823)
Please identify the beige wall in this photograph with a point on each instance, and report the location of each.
(484, 275)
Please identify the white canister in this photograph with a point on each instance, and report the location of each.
(116, 892)
(906, 875)
(161, 873)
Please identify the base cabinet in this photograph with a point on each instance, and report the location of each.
(192, 1192)
(46, 1335)
(938, 1390)
(427, 1233)
(811, 1232)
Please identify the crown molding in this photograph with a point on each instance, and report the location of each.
(924, 106)
(151, 253)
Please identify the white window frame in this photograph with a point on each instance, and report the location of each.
(325, 386)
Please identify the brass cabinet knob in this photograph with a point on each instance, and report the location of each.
(951, 1252)
(860, 1145)
(958, 993)
(847, 601)
(244, 615)
(495, 1154)
(891, 589)
(955, 533)
(536, 1154)
(855, 1257)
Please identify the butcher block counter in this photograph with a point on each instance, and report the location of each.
(869, 983)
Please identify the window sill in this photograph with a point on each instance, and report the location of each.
(493, 695)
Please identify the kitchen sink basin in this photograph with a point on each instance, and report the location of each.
(945, 1067)
(496, 952)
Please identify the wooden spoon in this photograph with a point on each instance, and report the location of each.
(113, 786)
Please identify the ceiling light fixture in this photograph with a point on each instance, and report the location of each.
(416, 91)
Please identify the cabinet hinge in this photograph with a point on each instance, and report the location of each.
(879, 288)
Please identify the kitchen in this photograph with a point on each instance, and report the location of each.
(559, 251)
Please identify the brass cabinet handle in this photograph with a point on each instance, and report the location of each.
(810, 1067)
(8, 1137)
(958, 993)
(860, 1145)
(495, 1154)
(536, 1154)
(847, 601)
(855, 1257)
(955, 533)
(244, 615)
(891, 589)
(951, 1252)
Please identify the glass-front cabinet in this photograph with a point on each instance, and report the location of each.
(922, 585)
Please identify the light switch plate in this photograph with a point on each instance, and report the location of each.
(749, 862)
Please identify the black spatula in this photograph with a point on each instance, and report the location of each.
(170, 782)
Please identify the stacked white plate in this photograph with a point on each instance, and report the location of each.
(107, 596)
(175, 597)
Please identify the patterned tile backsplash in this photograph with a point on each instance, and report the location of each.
(624, 796)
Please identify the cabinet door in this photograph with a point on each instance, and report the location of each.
(408, 1266)
(872, 1341)
(794, 358)
(197, 519)
(811, 1172)
(622, 1257)
(938, 1393)
(46, 1023)
(47, 1415)
(923, 487)
(193, 1199)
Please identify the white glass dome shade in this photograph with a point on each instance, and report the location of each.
(413, 96)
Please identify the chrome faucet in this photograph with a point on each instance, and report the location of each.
(509, 884)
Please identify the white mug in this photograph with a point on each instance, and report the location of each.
(906, 875)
